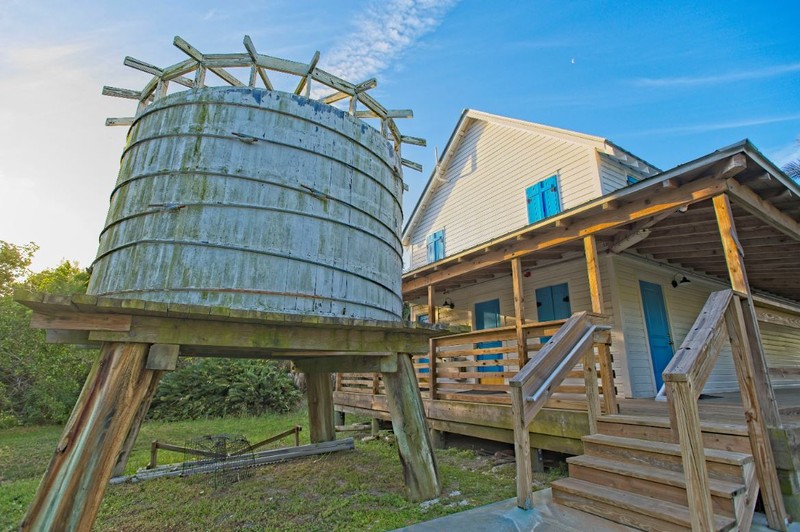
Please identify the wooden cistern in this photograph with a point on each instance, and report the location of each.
(245, 222)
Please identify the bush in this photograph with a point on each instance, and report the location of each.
(216, 387)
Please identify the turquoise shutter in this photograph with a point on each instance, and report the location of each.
(435, 246)
(535, 206)
(550, 196)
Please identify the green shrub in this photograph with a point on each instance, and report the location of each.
(216, 387)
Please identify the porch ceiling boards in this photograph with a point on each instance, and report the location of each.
(669, 217)
(691, 240)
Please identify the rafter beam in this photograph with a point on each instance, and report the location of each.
(763, 209)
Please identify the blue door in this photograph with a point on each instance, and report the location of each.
(552, 303)
(487, 316)
(657, 324)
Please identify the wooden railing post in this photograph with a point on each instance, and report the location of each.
(592, 392)
(153, 455)
(683, 401)
(432, 366)
(522, 450)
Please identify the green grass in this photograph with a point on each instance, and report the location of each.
(352, 490)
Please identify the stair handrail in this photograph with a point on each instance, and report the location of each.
(684, 378)
(535, 382)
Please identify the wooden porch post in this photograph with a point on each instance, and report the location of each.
(603, 351)
(320, 407)
(734, 256)
(72, 488)
(411, 432)
(519, 311)
(758, 397)
(431, 306)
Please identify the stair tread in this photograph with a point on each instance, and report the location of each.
(663, 510)
(663, 422)
(719, 488)
(712, 455)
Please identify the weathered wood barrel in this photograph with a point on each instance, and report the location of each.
(255, 199)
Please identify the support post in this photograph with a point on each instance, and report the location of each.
(756, 427)
(320, 407)
(437, 439)
(758, 397)
(537, 460)
(522, 450)
(734, 256)
(69, 495)
(375, 427)
(519, 311)
(431, 306)
(603, 351)
(411, 432)
(338, 417)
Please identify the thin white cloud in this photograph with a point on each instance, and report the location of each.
(716, 126)
(742, 75)
(787, 153)
(384, 31)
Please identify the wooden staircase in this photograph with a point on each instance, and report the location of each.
(659, 474)
(629, 475)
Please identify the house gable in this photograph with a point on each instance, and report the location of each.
(479, 189)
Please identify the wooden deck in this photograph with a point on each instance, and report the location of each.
(719, 407)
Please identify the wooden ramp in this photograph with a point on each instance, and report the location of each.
(629, 475)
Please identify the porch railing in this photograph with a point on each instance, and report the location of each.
(539, 379)
(684, 378)
(477, 366)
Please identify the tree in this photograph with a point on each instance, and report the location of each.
(39, 382)
(792, 169)
(14, 263)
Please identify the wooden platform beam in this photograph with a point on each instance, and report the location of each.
(72, 488)
(411, 432)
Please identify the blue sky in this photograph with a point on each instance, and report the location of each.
(667, 80)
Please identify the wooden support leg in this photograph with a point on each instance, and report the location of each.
(376, 427)
(411, 432)
(320, 407)
(72, 488)
(127, 447)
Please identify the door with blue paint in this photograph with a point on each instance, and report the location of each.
(552, 303)
(657, 325)
(487, 316)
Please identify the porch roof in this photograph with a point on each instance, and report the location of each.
(668, 217)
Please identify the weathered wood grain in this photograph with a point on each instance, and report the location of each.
(320, 407)
(404, 402)
(72, 488)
